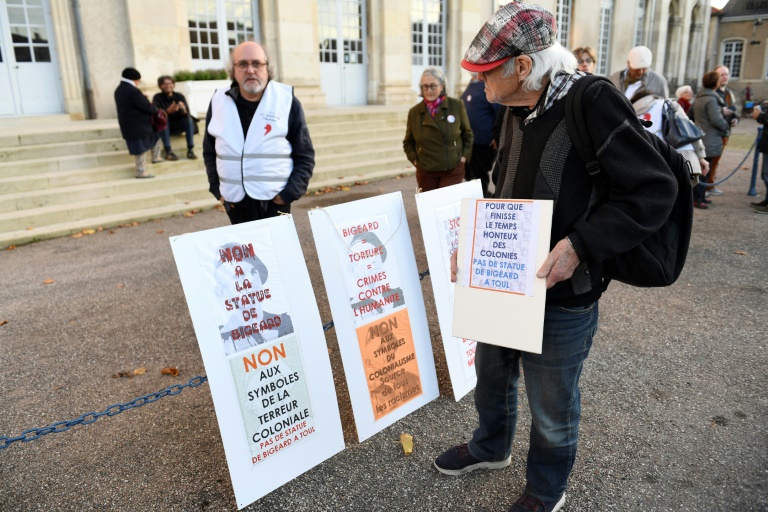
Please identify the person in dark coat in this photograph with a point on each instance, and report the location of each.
(180, 120)
(134, 114)
(484, 146)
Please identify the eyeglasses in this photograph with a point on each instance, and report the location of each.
(586, 61)
(431, 87)
(243, 65)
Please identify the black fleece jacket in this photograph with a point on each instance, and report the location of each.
(638, 198)
(302, 150)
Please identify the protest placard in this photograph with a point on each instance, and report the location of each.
(502, 243)
(439, 215)
(373, 287)
(262, 342)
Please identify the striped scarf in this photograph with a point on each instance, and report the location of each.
(432, 106)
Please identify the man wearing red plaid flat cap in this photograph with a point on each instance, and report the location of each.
(517, 55)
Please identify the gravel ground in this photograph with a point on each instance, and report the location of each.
(675, 409)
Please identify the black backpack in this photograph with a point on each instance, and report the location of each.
(659, 259)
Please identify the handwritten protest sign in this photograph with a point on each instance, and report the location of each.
(261, 338)
(440, 217)
(502, 243)
(369, 269)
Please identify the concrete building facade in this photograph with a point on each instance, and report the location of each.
(65, 56)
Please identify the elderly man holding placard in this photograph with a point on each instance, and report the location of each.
(517, 55)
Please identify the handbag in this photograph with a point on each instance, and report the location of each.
(678, 131)
(159, 120)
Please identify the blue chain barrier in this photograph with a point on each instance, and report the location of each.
(33, 434)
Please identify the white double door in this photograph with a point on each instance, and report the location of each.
(29, 74)
(343, 62)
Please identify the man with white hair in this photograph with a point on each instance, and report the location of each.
(517, 55)
(638, 75)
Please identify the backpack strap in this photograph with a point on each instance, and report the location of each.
(576, 123)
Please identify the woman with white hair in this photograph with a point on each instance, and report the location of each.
(438, 138)
(684, 95)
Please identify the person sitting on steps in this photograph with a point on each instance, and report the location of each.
(179, 118)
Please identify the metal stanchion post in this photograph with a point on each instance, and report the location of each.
(753, 180)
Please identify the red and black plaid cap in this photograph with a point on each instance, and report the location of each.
(515, 29)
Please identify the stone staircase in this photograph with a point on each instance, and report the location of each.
(60, 177)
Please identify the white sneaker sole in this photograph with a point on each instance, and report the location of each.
(480, 465)
(559, 504)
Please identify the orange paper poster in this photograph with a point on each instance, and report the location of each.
(389, 358)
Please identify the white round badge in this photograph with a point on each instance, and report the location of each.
(469, 97)
(451, 118)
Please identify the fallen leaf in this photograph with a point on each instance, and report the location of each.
(139, 371)
(358, 183)
(77, 235)
(170, 370)
(189, 214)
(89, 231)
(111, 232)
(3, 322)
(407, 441)
(740, 253)
(134, 223)
(99, 229)
(49, 281)
(10, 248)
(120, 285)
(221, 208)
(745, 168)
(72, 322)
(119, 375)
(342, 188)
(340, 178)
(160, 232)
(30, 229)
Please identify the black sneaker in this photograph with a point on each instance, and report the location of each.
(191, 154)
(764, 202)
(527, 503)
(458, 461)
(170, 155)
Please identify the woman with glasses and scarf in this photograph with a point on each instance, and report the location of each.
(586, 58)
(438, 138)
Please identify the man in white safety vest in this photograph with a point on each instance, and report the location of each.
(257, 150)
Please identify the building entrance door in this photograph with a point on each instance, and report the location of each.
(343, 63)
(29, 75)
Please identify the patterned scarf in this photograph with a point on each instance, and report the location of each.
(432, 106)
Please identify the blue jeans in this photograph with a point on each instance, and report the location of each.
(188, 129)
(552, 387)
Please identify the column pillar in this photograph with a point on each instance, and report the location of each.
(290, 35)
(389, 51)
(72, 88)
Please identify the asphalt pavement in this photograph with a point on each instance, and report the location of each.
(674, 392)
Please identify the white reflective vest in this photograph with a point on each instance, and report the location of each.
(260, 164)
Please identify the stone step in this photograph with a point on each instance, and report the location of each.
(358, 171)
(59, 149)
(147, 198)
(63, 178)
(381, 135)
(360, 156)
(44, 131)
(107, 221)
(125, 184)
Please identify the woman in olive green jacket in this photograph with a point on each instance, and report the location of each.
(438, 139)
